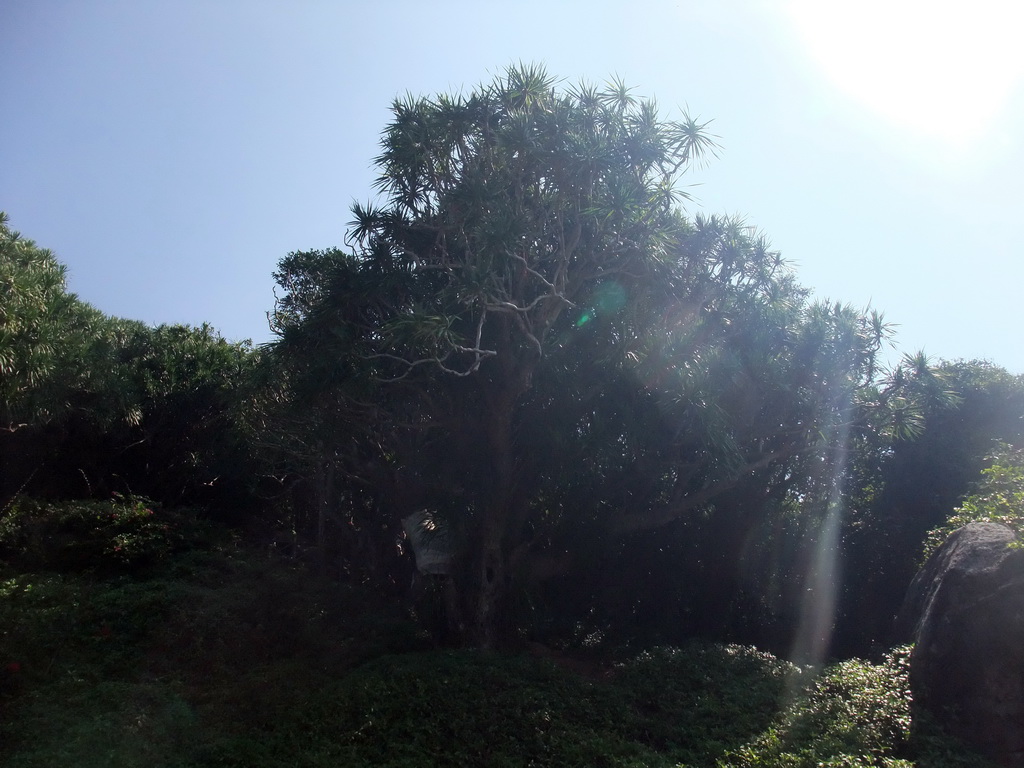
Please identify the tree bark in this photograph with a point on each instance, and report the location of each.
(494, 574)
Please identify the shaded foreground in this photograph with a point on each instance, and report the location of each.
(228, 657)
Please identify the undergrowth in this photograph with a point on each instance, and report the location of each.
(222, 656)
(119, 534)
(854, 714)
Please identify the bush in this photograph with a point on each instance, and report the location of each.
(855, 714)
(105, 723)
(702, 700)
(459, 708)
(209, 659)
(123, 533)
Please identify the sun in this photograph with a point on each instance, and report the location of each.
(938, 70)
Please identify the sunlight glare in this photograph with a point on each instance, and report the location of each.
(818, 606)
(938, 70)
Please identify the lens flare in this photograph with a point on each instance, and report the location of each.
(608, 298)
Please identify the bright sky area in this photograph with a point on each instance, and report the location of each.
(171, 153)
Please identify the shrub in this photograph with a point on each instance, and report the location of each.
(122, 533)
(702, 700)
(211, 659)
(102, 724)
(855, 714)
(664, 707)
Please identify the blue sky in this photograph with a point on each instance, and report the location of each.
(171, 153)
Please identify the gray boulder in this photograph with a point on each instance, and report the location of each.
(965, 613)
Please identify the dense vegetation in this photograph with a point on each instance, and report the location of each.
(629, 427)
(197, 649)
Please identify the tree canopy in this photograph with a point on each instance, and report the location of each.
(44, 332)
(533, 338)
(92, 403)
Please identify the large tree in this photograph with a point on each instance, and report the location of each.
(527, 310)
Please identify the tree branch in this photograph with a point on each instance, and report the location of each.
(479, 355)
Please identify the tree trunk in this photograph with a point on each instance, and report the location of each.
(492, 570)
(503, 512)
(491, 593)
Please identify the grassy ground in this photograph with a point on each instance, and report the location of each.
(220, 656)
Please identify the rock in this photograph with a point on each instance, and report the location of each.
(965, 614)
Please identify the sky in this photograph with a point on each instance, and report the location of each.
(171, 153)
